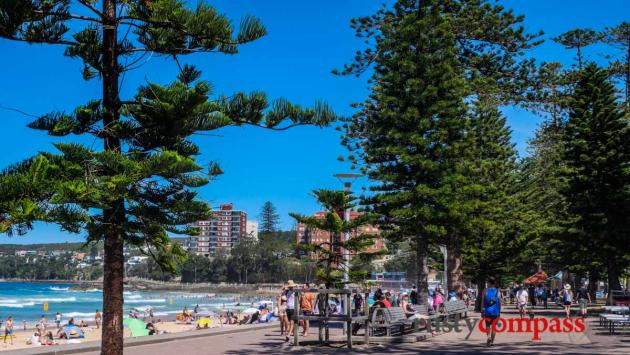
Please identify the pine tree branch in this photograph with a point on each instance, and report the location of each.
(178, 51)
(173, 26)
(63, 42)
(273, 128)
(18, 111)
(87, 4)
(72, 16)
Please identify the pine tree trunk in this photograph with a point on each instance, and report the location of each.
(455, 273)
(113, 268)
(112, 341)
(481, 282)
(422, 270)
(593, 280)
(613, 278)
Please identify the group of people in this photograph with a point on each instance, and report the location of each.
(531, 296)
(524, 296)
(286, 308)
(43, 335)
(311, 302)
(535, 295)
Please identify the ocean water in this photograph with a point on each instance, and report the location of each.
(25, 301)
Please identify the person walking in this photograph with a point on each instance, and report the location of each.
(8, 330)
(567, 299)
(531, 290)
(58, 320)
(97, 319)
(357, 302)
(291, 316)
(522, 296)
(544, 296)
(583, 298)
(282, 314)
(438, 299)
(413, 295)
(307, 304)
(491, 308)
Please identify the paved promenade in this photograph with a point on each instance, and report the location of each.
(269, 341)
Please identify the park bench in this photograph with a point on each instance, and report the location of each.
(621, 321)
(393, 320)
(455, 308)
(423, 311)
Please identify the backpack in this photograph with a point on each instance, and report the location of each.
(491, 300)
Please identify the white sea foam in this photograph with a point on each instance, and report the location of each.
(142, 308)
(165, 313)
(78, 315)
(92, 290)
(226, 304)
(134, 297)
(54, 288)
(156, 300)
(50, 299)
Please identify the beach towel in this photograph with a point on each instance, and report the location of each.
(73, 331)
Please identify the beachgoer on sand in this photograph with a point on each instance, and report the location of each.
(97, 319)
(58, 320)
(8, 330)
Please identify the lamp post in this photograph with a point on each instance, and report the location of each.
(346, 179)
(445, 252)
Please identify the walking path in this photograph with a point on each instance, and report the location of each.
(268, 341)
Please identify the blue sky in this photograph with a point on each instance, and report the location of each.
(305, 41)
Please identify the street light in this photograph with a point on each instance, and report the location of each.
(445, 252)
(347, 179)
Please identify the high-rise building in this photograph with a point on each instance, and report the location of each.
(221, 233)
(252, 229)
(307, 235)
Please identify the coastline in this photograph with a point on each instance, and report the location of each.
(133, 284)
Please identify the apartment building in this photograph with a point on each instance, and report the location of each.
(221, 233)
(307, 235)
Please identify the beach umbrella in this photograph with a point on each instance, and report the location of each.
(207, 313)
(138, 328)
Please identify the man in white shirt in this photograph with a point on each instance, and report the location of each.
(522, 297)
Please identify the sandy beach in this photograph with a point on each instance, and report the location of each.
(91, 333)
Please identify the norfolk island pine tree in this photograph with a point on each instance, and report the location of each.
(138, 188)
(487, 42)
(330, 254)
(596, 156)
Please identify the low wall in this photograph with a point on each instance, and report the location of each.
(145, 340)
